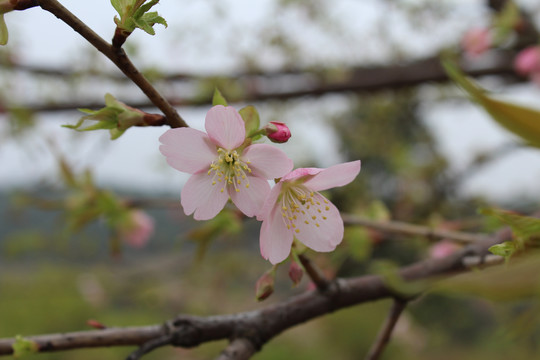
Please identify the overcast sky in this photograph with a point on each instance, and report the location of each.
(204, 39)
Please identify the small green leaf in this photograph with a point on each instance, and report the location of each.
(250, 115)
(521, 120)
(22, 347)
(506, 249)
(218, 98)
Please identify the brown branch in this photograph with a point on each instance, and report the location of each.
(398, 227)
(384, 336)
(118, 57)
(238, 349)
(259, 326)
(316, 83)
(320, 281)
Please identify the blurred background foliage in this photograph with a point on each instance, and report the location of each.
(54, 278)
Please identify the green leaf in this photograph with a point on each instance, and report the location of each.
(521, 120)
(250, 115)
(523, 226)
(22, 347)
(218, 98)
(506, 249)
(3, 31)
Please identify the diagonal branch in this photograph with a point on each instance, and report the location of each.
(118, 57)
(252, 329)
(384, 336)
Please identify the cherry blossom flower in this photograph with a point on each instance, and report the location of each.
(278, 132)
(138, 230)
(221, 167)
(476, 41)
(295, 208)
(527, 62)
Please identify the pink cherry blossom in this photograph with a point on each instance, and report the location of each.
(476, 41)
(295, 208)
(278, 132)
(527, 62)
(443, 249)
(221, 167)
(138, 230)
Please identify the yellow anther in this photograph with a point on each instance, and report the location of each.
(237, 190)
(303, 212)
(213, 183)
(324, 217)
(306, 222)
(325, 201)
(297, 231)
(293, 225)
(247, 186)
(319, 210)
(221, 189)
(317, 224)
(289, 227)
(313, 217)
(209, 172)
(238, 181)
(327, 208)
(294, 217)
(318, 203)
(311, 194)
(284, 207)
(290, 218)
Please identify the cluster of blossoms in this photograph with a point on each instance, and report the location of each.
(225, 164)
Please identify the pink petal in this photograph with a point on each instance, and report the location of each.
(334, 176)
(203, 198)
(188, 150)
(250, 200)
(225, 127)
(275, 240)
(328, 234)
(267, 161)
(270, 202)
(298, 173)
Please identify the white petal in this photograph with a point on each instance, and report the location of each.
(334, 176)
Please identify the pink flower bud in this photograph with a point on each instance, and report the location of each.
(138, 230)
(476, 41)
(295, 273)
(278, 132)
(527, 62)
(264, 286)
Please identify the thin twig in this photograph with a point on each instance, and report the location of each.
(384, 336)
(410, 229)
(314, 273)
(118, 57)
(149, 346)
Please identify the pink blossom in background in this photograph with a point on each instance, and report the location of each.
(476, 41)
(295, 208)
(527, 63)
(443, 249)
(221, 168)
(278, 132)
(138, 230)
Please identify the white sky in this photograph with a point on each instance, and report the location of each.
(203, 39)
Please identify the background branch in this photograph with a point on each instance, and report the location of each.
(384, 336)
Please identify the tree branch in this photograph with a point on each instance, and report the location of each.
(259, 326)
(384, 336)
(118, 57)
(398, 227)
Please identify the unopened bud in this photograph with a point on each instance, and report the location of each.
(265, 285)
(295, 273)
(277, 132)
